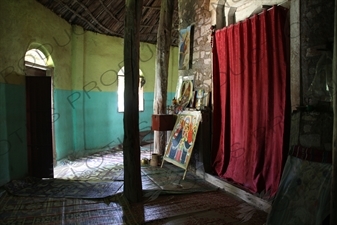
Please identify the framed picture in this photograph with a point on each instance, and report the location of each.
(181, 81)
(185, 48)
(184, 92)
(182, 139)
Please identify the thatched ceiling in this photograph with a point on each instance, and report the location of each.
(107, 16)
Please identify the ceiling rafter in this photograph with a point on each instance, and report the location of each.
(93, 18)
(155, 7)
(79, 16)
(108, 11)
(107, 17)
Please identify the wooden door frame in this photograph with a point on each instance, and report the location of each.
(50, 73)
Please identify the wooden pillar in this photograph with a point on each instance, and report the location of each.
(220, 17)
(131, 148)
(162, 63)
(333, 208)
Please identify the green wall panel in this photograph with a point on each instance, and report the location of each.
(63, 127)
(103, 124)
(16, 129)
(4, 143)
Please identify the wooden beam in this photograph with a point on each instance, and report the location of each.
(231, 16)
(131, 144)
(108, 11)
(152, 7)
(162, 63)
(155, 8)
(333, 208)
(247, 197)
(295, 55)
(220, 17)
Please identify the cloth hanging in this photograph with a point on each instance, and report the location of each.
(250, 72)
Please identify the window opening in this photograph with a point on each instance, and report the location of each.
(121, 86)
(36, 59)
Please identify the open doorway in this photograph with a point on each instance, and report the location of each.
(39, 115)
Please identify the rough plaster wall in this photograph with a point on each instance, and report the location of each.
(20, 29)
(246, 8)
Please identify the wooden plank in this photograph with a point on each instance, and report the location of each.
(131, 145)
(245, 196)
(220, 17)
(333, 208)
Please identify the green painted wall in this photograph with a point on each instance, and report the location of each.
(84, 83)
(24, 24)
(4, 143)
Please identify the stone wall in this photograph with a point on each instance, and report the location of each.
(197, 13)
(316, 30)
(312, 129)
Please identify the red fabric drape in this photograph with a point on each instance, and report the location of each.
(250, 101)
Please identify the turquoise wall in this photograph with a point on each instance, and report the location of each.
(84, 69)
(95, 116)
(13, 151)
(4, 145)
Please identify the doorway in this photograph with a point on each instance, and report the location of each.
(39, 124)
(39, 121)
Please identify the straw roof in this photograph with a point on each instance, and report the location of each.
(107, 17)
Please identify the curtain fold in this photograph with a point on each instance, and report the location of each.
(250, 101)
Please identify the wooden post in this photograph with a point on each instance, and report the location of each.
(162, 62)
(231, 16)
(220, 17)
(131, 148)
(333, 208)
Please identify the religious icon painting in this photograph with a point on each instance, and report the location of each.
(184, 93)
(180, 146)
(185, 48)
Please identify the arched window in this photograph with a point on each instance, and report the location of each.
(36, 59)
(121, 86)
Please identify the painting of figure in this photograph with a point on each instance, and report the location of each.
(180, 146)
(185, 44)
(186, 94)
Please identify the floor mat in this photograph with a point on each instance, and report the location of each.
(58, 188)
(215, 207)
(49, 211)
(169, 180)
(155, 181)
(104, 165)
(101, 175)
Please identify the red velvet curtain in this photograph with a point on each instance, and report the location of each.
(251, 101)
